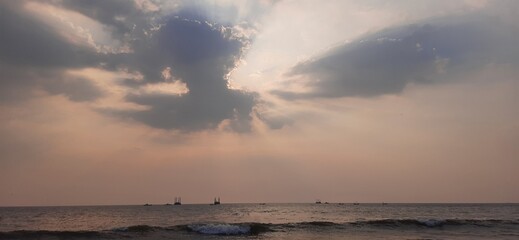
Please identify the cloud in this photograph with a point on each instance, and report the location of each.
(33, 55)
(125, 18)
(387, 61)
(189, 113)
(184, 45)
(27, 42)
(188, 48)
(199, 54)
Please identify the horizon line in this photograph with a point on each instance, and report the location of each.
(229, 203)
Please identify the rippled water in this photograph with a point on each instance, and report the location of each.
(269, 221)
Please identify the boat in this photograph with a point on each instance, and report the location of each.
(147, 205)
(178, 201)
(356, 203)
(216, 201)
(318, 201)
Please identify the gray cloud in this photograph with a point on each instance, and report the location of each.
(26, 42)
(424, 53)
(189, 112)
(199, 54)
(33, 55)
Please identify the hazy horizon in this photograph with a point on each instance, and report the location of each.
(274, 203)
(133, 102)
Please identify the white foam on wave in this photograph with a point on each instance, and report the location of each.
(119, 229)
(220, 229)
(432, 222)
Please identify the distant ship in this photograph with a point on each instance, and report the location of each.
(356, 203)
(147, 205)
(216, 201)
(318, 201)
(178, 201)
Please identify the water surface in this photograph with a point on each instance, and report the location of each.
(269, 221)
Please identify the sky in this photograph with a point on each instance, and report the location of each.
(132, 102)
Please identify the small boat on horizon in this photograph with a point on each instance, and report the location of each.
(178, 201)
(318, 201)
(216, 201)
(147, 205)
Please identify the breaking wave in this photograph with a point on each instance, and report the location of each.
(230, 229)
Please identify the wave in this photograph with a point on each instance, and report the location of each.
(43, 234)
(136, 228)
(434, 223)
(230, 229)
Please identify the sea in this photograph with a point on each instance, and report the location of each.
(263, 221)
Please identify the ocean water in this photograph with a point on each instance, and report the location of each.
(263, 221)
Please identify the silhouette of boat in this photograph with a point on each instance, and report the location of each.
(216, 201)
(356, 203)
(318, 201)
(178, 201)
(147, 205)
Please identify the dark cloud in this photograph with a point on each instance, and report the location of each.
(33, 55)
(190, 112)
(27, 42)
(424, 53)
(195, 51)
(198, 53)
(201, 55)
